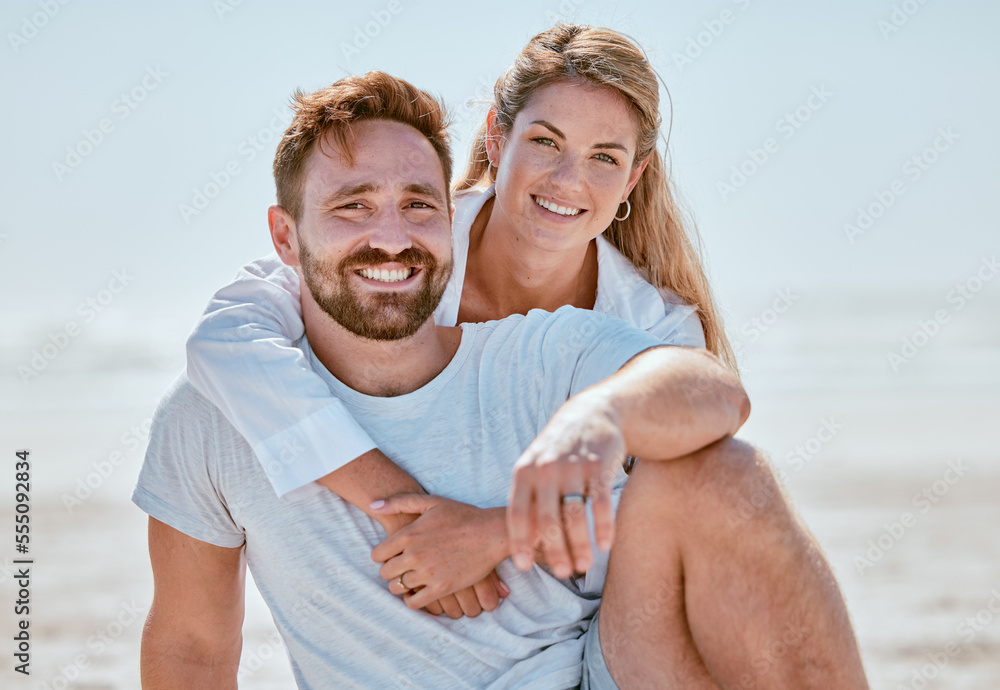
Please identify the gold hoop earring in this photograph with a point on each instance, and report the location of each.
(628, 211)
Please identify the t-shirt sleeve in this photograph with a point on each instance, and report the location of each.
(178, 483)
(242, 358)
(583, 347)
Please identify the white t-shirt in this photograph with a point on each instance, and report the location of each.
(459, 436)
(242, 352)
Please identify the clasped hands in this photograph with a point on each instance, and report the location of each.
(442, 554)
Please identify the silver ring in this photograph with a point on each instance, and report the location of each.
(573, 498)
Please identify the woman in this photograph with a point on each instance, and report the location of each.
(565, 201)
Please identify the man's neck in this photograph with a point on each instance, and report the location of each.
(382, 368)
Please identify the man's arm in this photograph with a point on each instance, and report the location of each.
(194, 631)
(665, 403)
(671, 401)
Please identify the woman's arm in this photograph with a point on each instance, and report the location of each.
(242, 357)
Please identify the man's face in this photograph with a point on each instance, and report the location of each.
(374, 239)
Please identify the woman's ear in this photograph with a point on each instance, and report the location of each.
(283, 235)
(633, 178)
(494, 138)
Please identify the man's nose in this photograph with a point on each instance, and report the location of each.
(390, 233)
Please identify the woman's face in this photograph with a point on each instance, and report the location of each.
(566, 165)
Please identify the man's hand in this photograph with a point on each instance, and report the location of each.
(448, 553)
(577, 454)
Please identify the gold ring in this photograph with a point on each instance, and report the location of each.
(399, 581)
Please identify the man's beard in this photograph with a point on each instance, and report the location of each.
(375, 316)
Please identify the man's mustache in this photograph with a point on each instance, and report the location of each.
(411, 256)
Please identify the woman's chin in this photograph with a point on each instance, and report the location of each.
(555, 242)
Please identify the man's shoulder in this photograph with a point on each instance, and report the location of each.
(183, 408)
(560, 333)
(183, 399)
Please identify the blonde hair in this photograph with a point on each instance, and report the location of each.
(374, 96)
(653, 237)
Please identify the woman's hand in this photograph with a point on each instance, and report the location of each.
(447, 555)
(577, 455)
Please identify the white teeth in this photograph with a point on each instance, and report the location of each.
(561, 210)
(383, 276)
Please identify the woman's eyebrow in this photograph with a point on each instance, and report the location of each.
(548, 125)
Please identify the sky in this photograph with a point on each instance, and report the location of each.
(846, 147)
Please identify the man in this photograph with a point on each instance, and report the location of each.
(690, 599)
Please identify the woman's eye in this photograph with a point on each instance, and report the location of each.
(544, 141)
(609, 159)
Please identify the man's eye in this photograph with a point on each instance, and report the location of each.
(420, 204)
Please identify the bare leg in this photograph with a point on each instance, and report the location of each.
(714, 582)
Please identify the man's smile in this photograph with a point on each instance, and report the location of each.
(386, 276)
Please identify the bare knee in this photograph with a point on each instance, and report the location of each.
(738, 482)
(728, 481)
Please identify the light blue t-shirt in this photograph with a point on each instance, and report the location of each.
(459, 436)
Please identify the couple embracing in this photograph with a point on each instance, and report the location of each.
(479, 436)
